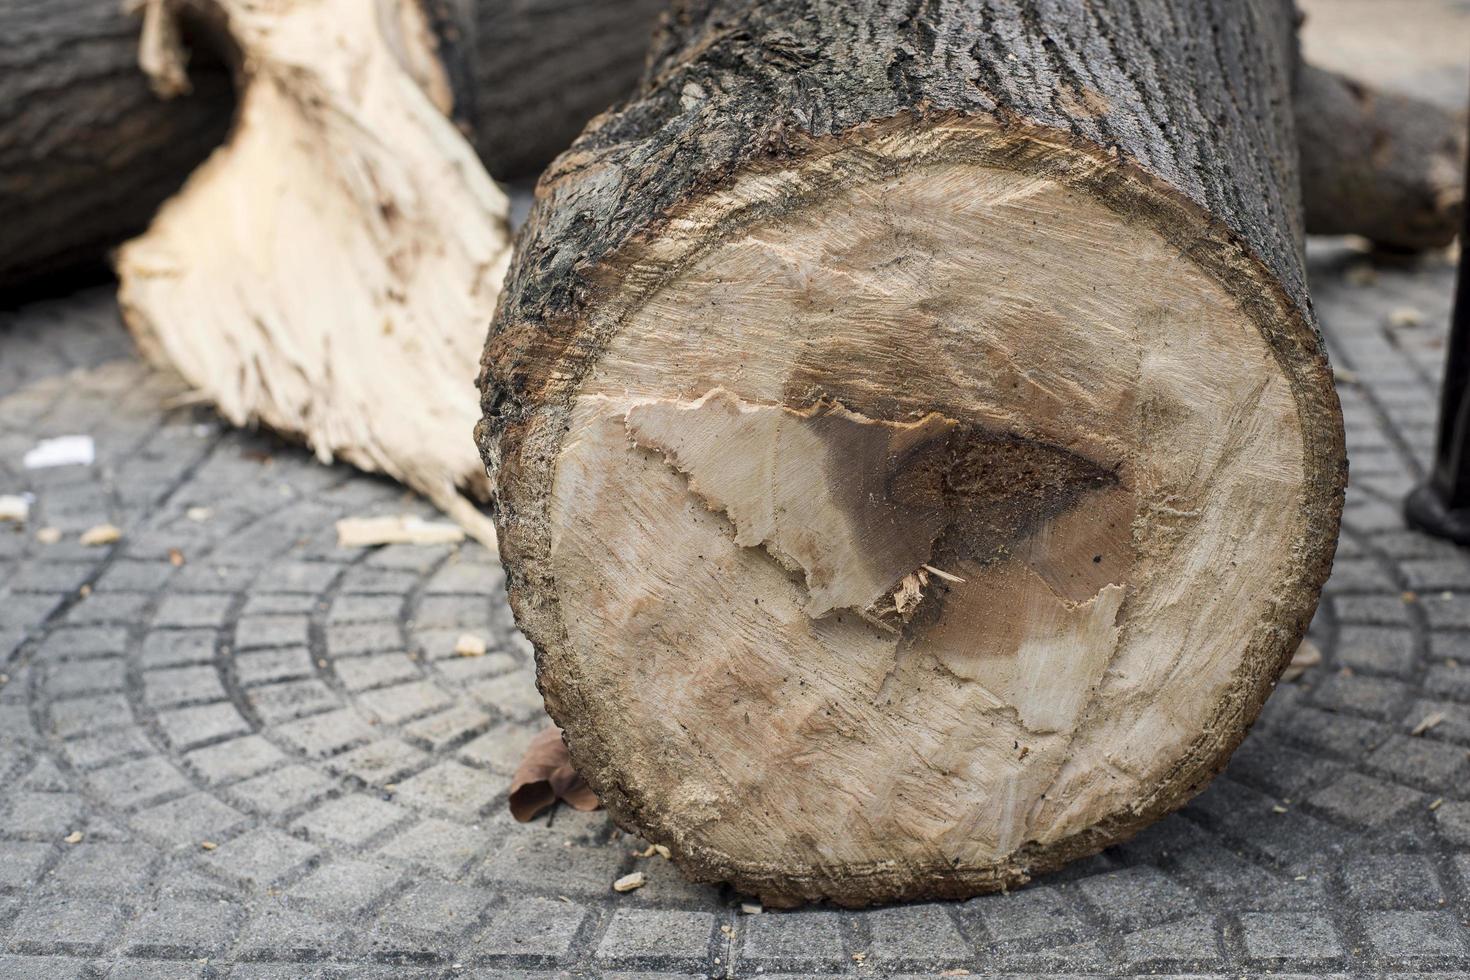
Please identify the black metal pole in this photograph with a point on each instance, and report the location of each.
(1441, 505)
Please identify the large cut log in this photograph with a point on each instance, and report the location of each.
(916, 459)
(88, 152)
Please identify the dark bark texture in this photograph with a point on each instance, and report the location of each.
(539, 69)
(87, 151)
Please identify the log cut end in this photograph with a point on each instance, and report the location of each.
(927, 519)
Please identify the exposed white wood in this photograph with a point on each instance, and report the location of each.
(332, 269)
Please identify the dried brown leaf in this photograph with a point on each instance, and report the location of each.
(544, 776)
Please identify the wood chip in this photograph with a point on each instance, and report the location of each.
(662, 851)
(175, 557)
(367, 532)
(1345, 376)
(727, 930)
(198, 514)
(1405, 317)
(1306, 657)
(545, 775)
(208, 845)
(469, 645)
(632, 882)
(100, 535)
(48, 535)
(939, 573)
(1362, 274)
(75, 837)
(752, 908)
(1427, 722)
(14, 508)
(1439, 802)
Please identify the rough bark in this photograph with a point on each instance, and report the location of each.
(915, 456)
(88, 152)
(1384, 166)
(542, 68)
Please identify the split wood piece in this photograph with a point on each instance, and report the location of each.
(329, 270)
(1387, 167)
(999, 289)
(88, 152)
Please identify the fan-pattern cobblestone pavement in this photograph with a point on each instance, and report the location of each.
(231, 748)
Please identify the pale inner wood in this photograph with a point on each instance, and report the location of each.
(1120, 486)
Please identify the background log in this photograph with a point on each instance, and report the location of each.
(88, 152)
(916, 459)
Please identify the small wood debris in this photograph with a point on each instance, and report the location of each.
(662, 851)
(1409, 596)
(1405, 317)
(955, 973)
(100, 535)
(1345, 376)
(1427, 722)
(859, 957)
(1439, 802)
(630, 882)
(208, 845)
(728, 931)
(939, 573)
(469, 645)
(367, 532)
(176, 557)
(14, 508)
(910, 593)
(75, 837)
(49, 535)
(61, 451)
(1306, 657)
(1278, 808)
(198, 514)
(752, 908)
(1362, 274)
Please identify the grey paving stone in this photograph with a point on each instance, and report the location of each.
(327, 733)
(793, 940)
(167, 648)
(1362, 800)
(1392, 881)
(916, 936)
(174, 927)
(267, 666)
(532, 930)
(1027, 914)
(396, 705)
(661, 938)
(379, 763)
(446, 847)
(129, 784)
(234, 760)
(352, 820)
(289, 700)
(187, 728)
(439, 908)
(450, 787)
(189, 820)
(345, 888)
(281, 790)
(1137, 896)
(1286, 936)
(1416, 936)
(261, 856)
(1195, 941)
(22, 863)
(253, 632)
(362, 673)
(67, 924)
